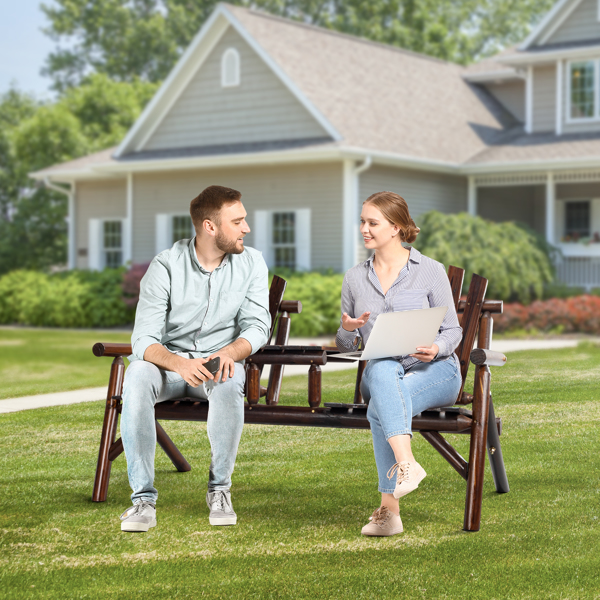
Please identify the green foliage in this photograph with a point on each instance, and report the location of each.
(320, 294)
(504, 253)
(144, 38)
(73, 299)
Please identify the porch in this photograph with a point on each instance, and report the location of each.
(562, 206)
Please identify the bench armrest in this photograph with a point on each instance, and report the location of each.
(481, 357)
(103, 349)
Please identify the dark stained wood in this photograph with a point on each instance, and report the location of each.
(291, 306)
(276, 372)
(477, 449)
(447, 451)
(358, 399)
(171, 450)
(253, 384)
(495, 454)
(492, 306)
(115, 450)
(289, 355)
(470, 323)
(481, 356)
(276, 291)
(109, 430)
(104, 349)
(314, 386)
(456, 277)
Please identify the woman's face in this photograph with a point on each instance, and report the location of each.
(376, 230)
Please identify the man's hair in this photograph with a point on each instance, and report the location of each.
(209, 202)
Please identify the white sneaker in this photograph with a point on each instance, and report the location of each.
(140, 517)
(383, 522)
(221, 509)
(408, 477)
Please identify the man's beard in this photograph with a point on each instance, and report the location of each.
(226, 245)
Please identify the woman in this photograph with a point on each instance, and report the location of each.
(397, 278)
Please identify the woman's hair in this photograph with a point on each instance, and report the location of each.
(394, 208)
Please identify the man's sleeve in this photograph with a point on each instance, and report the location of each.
(155, 289)
(254, 318)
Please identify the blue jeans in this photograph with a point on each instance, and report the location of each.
(396, 397)
(146, 384)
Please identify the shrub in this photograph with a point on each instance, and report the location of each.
(507, 255)
(578, 314)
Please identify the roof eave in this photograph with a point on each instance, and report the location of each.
(542, 56)
(553, 164)
(493, 76)
(551, 15)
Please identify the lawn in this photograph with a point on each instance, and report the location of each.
(302, 496)
(42, 361)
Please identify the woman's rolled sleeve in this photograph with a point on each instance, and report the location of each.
(347, 341)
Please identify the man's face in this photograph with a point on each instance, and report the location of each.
(232, 228)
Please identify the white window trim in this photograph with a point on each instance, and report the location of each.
(569, 201)
(569, 120)
(230, 52)
(263, 236)
(96, 249)
(163, 239)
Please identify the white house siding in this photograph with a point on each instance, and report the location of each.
(511, 94)
(260, 109)
(581, 25)
(523, 204)
(96, 200)
(544, 98)
(314, 186)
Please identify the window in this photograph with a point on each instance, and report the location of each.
(284, 239)
(230, 68)
(113, 243)
(583, 90)
(182, 228)
(577, 220)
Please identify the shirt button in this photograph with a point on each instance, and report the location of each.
(206, 322)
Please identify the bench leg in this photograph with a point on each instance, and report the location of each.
(171, 450)
(109, 430)
(495, 454)
(481, 407)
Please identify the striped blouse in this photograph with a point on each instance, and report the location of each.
(422, 283)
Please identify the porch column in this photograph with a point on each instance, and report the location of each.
(349, 216)
(472, 196)
(128, 233)
(529, 101)
(550, 207)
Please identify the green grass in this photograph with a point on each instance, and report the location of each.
(302, 496)
(42, 361)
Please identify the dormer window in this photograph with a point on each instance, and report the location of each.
(230, 68)
(583, 92)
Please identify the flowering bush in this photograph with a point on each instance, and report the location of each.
(578, 314)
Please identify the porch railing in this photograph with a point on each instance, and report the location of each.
(579, 271)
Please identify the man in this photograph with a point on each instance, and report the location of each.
(204, 298)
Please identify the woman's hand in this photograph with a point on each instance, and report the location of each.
(426, 353)
(350, 324)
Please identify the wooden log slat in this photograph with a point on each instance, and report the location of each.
(115, 450)
(481, 356)
(291, 306)
(111, 350)
(314, 357)
(171, 450)
(458, 463)
(456, 277)
(252, 385)
(276, 291)
(276, 372)
(491, 306)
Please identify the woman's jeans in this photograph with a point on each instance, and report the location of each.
(146, 384)
(396, 397)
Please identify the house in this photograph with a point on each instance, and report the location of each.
(308, 122)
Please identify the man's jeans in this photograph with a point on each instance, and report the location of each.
(145, 384)
(396, 397)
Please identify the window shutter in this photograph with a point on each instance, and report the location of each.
(262, 234)
(163, 232)
(303, 240)
(95, 245)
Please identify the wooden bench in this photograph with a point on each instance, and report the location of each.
(479, 423)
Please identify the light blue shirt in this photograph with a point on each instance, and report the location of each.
(188, 309)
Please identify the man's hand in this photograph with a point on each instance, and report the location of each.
(426, 353)
(350, 324)
(226, 367)
(192, 370)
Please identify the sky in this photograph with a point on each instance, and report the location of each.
(23, 46)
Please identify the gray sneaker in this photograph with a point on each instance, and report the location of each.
(221, 510)
(140, 517)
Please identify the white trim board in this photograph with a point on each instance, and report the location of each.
(554, 18)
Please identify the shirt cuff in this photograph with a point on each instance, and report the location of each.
(142, 344)
(442, 348)
(255, 338)
(346, 338)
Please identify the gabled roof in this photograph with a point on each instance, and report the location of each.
(551, 21)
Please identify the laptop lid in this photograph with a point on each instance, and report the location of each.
(400, 333)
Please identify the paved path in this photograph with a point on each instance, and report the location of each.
(99, 393)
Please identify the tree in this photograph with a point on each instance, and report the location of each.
(128, 39)
(506, 254)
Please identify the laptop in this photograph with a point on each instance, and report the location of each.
(400, 333)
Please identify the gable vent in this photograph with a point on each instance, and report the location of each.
(230, 68)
